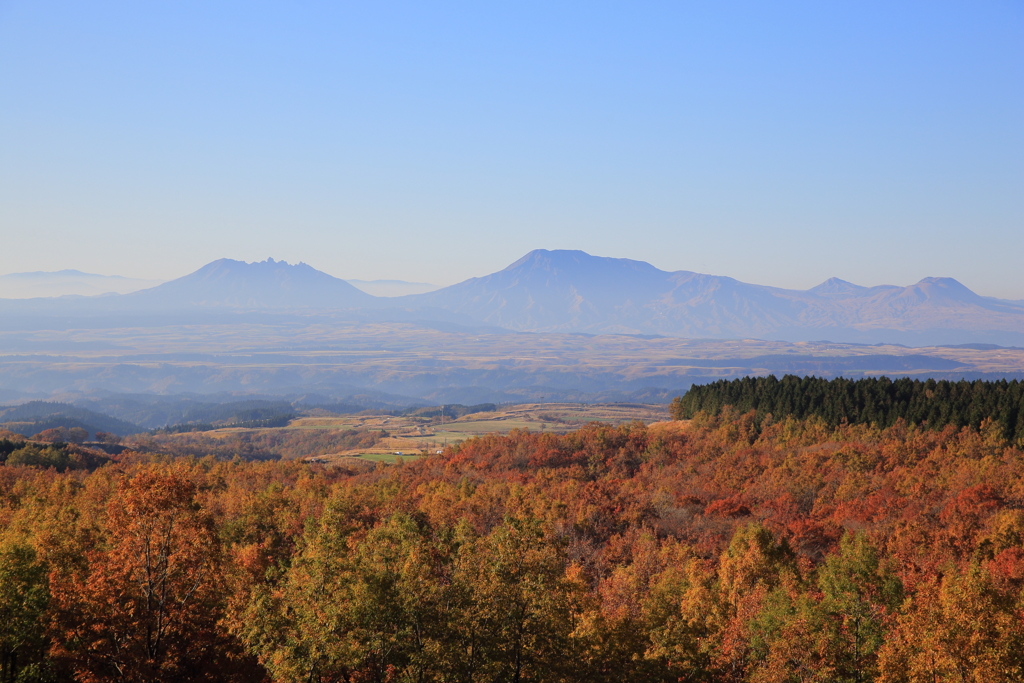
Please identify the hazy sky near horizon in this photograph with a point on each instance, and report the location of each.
(777, 143)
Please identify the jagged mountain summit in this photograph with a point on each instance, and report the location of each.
(572, 291)
(269, 284)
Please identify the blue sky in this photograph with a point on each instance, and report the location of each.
(778, 143)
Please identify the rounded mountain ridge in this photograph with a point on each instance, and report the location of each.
(574, 258)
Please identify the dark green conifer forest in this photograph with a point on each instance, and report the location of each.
(879, 401)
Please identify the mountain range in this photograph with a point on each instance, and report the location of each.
(572, 291)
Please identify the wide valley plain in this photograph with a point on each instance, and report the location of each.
(436, 363)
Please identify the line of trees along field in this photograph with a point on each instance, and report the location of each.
(880, 401)
(719, 550)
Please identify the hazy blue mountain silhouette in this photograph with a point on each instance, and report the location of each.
(223, 285)
(269, 284)
(552, 291)
(836, 288)
(572, 291)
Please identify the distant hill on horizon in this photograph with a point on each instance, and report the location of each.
(572, 291)
(67, 282)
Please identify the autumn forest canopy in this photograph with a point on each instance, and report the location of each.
(726, 548)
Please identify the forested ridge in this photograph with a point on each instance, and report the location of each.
(723, 549)
(881, 401)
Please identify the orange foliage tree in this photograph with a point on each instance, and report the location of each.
(146, 604)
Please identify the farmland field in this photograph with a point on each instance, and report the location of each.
(411, 437)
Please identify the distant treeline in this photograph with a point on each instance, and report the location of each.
(280, 414)
(258, 423)
(238, 414)
(452, 410)
(879, 401)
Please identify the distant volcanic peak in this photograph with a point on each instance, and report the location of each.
(945, 287)
(575, 260)
(544, 259)
(282, 264)
(230, 268)
(834, 285)
(548, 255)
(947, 282)
(221, 264)
(257, 285)
(928, 288)
(233, 263)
